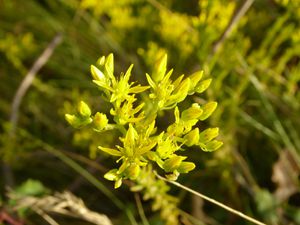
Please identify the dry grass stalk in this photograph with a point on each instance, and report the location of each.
(64, 203)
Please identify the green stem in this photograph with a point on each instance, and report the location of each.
(212, 201)
(140, 209)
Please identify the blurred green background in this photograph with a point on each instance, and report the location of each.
(251, 49)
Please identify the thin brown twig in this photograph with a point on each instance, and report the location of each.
(27, 81)
(211, 200)
(64, 203)
(252, 184)
(92, 163)
(232, 24)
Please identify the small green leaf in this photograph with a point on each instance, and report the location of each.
(151, 156)
(146, 148)
(160, 69)
(103, 85)
(130, 137)
(166, 78)
(31, 188)
(128, 74)
(150, 81)
(208, 109)
(138, 89)
(151, 129)
(110, 151)
(118, 183)
(177, 115)
(123, 167)
(113, 97)
(177, 81)
(109, 65)
(138, 108)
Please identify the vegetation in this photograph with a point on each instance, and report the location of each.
(248, 55)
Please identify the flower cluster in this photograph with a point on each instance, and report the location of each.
(141, 143)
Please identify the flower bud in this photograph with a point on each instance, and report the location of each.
(195, 78)
(131, 136)
(173, 176)
(213, 145)
(208, 109)
(76, 122)
(111, 175)
(101, 61)
(192, 113)
(84, 109)
(109, 64)
(182, 90)
(186, 167)
(118, 183)
(173, 163)
(152, 155)
(208, 134)
(133, 171)
(100, 121)
(71, 119)
(192, 137)
(97, 74)
(203, 85)
(160, 69)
